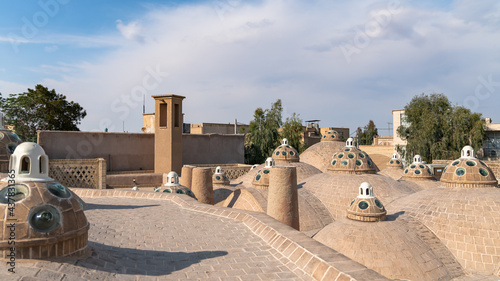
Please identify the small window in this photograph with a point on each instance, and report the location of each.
(177, 116)
(25, 165)
(43, 168)
(163, 114)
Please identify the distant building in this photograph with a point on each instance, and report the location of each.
(148, 120)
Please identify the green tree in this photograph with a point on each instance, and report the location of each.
(40, 109)
(435, 129)
(294, 132)
(263, 135)
(360, 136)
(365, 136)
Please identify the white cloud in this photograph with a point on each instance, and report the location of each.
(132, 31)
(257, 53)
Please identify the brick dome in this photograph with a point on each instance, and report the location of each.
(285, 153)
(468, 171)
(366, 207)
(352, 160)
(50, 218)
(331, 135)
(417, 170)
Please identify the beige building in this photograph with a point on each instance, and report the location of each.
(148, 120)
(398, 119)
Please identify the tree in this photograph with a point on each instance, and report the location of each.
(263, 135)
(40, 109)
(435, 129)
(294, 132)
(365, 137)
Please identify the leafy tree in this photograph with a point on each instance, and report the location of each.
(365, 137)
(263, 135)
(294, 132)
(437, 130)
(40, 109)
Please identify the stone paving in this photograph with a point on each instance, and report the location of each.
(144, 239)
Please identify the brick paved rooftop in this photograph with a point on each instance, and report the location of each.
(153, 236)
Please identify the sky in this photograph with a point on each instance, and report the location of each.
(342, 62)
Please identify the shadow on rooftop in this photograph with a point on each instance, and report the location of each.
(393, 217)
(141, 262)
(90, 206)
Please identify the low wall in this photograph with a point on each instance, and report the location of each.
(135, 151)
(232, 171)
(82, 173)
(122, 151)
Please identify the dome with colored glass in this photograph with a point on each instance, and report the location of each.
(172, 185)
(50, 221)
(331, 135)
(468, 171)
(395, 161)
(219, 177)
(366, 207)
(417, 170)
(261, 180)
(352, 160)
(285, 153)
(8, 143)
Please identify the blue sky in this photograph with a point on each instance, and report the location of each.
(343, 62)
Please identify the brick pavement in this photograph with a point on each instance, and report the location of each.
(143, 239)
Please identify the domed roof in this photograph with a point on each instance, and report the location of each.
(468, 171)
(331, 135)
(336, 191)
(352, 160)
(48, 215)
(464, 219)
(320, 154)
(172, 185)
(366, 207)
(393, 248)
(417, 170)
(395, 161)
(261, 179)
(219, 177)
(8, 143)
(285, 153)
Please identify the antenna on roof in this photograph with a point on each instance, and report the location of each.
(143, 104)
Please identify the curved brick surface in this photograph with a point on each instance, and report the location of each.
(467, 220)
(320, 154)
(391, 248)
(336, 191)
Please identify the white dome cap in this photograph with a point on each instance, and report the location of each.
(468, 152)
(29, 163)
(349, 142)
(172, 179)
(365, 190)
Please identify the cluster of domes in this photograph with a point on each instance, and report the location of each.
(331, 135)
(417, 170)
(285, 153)
(468, 171)
(351, 160)
(50, 218)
